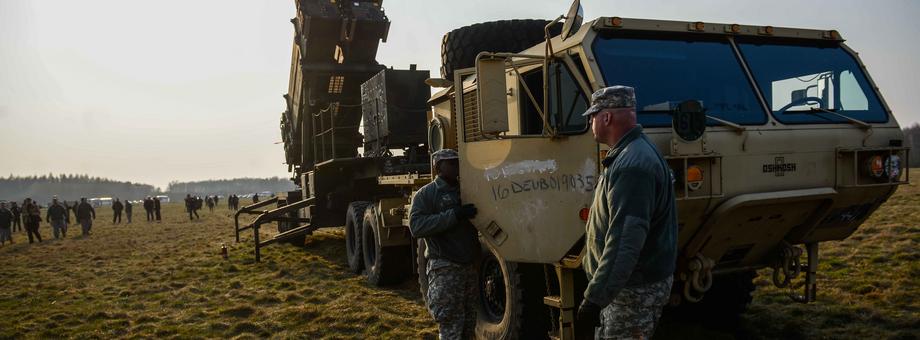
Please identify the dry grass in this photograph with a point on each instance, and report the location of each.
(168, 281)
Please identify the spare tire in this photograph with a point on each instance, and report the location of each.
(460, 46)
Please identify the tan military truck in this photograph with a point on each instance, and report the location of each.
(777, 137)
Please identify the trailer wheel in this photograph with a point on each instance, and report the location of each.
(460, 46)
(354, 220)
(723, 304)
(383, 265)
(510, 299)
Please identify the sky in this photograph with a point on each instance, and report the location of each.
(157, 91)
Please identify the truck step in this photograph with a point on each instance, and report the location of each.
(553, 301)
(301, 230)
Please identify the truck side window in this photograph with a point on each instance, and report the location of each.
(566, 102)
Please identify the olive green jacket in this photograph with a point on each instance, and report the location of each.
(631, 234)
(433, 219)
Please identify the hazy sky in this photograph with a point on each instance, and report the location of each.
(154, 91)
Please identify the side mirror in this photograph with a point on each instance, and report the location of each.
(573, 19)
(492, 92)
(689, 120)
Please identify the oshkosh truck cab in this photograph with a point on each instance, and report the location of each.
(790, 144)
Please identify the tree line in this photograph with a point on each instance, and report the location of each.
(72, 187)
(230, 186)
(69, 187)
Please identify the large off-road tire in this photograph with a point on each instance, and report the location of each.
(510, 299)
(460, 46)
(354, 220)
(723, 305)
(383, 265)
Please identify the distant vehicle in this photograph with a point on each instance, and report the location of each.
(163, 198)
(100, 201)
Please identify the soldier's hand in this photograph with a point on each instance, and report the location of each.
(589, 316)
(465, 212)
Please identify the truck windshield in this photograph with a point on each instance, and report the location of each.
(797, 79)
(666, 72)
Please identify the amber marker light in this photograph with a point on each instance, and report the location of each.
(876, 166)
(694, 177)
(583, 214)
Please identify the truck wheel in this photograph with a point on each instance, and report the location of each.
(510, 299)
(384, 265)
(460, 46)
(723, 304)
(353, 226)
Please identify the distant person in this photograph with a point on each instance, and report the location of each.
(156, 208)
(17, 217)
(57, 216)
(128, 208)
(230, 202)
(32, 216)
(190, 203)
(148, 206)
(236, 202)
(255, 198)
(216, 200)
(117, 208)
(6, 223)
(210, 202)
(85, 215)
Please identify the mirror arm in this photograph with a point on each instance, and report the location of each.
(738, 128)
(533, 100)
(547, 56)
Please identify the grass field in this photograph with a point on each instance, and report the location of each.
(168, 280)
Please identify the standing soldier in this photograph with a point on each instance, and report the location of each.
(17, 217)
(216, 200)
(85, 215)
(6, 223)
(255, 198)
(210, 202)
(57, 216)
(631, 232)
(190, 203)
(128, 208)
(148, 206)
(156, 208)
(452, 247)
(32, 216)
(117, 207)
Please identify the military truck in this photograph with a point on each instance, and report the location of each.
(778, 139)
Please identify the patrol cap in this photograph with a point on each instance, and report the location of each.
(443, 154)
(613, 97)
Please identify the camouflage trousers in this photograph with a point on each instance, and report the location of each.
(634, 313)
(452, 298)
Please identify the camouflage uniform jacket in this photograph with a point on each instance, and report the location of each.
(631, 234)
(433, 218)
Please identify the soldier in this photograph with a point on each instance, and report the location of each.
(85, 215)
(32, 218)
(631, 231)
(128, 208)
(148, 206)
(17, 217)
(156, 208)
(6, 222)
(57, 216)
(452, 247)
(210, 202)
(255, 198)
(190, 203)
(117, 208)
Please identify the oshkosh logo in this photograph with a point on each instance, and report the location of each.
(779, 167)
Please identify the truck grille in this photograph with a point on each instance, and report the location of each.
(471, 129)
